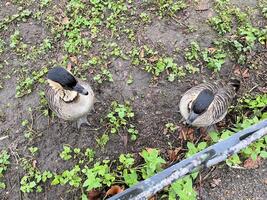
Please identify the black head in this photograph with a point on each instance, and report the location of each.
(62, 76)
(200, 105)
(202, 102)
(65, 79)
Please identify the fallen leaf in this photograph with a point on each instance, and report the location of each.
(262, 89)
(152, 198)
(65, 20)
(215, 182)
(244, 73)
(74, 59)
(34, 163)
(187, 133)
(69, 66)
(149, 150)
(125, 140)
(142, 53)
(265, 181)
(153, 59)
(115, 189)
(252, 164)
(93, 194)
(212, 50)
(173, 154)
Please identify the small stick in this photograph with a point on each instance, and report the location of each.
(4, 137)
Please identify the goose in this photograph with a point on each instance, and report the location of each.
(70, 98)
(206, 104)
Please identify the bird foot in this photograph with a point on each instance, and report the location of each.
(82, 120)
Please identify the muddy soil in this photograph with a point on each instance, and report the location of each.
(154, 104)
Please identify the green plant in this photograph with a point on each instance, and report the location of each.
(183, 188)
(129, 173)
(89, 154)
(153, 162)
(21, 16)
(258, 148)
(33, 178)
(33, 150)
(66, 153)
(145, 17)
(103, 140)
(26, 84)
(227, 15)
(257, 104)
(170, 127)
(166, 64)
(170, 7)
(263, 7)
(119, 118)
(192, 53)
(133, 132)
(104, 75)
(4, 163)
(97, 176)
(14, 39)
(45, 3)
(43, 103)
(72, 177)
(2, 46)
(214, 59)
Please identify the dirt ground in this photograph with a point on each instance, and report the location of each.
(155, 103)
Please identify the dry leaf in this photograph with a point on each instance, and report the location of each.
(149, 150)
(173, 154)
(69, 66)
(262, 89)
(125, 140)
(65, 20)
(215, 182)
(93, 194)
(115, 189)
(152, 198)
(237, 71)
(265, 181)
(34, 163)
(212, 50)
(153, 59)
(187, 134)
(244, 73)
(74, 59)
(142, 53)
(252, 164)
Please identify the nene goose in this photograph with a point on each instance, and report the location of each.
(71, 99)
(207, 103)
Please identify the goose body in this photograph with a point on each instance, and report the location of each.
(68, 97)
(207, 103)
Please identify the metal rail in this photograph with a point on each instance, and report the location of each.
(206, 158)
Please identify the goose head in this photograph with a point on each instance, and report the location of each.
(65, 84)
(198, 106)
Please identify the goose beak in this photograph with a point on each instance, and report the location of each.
(80, 89)
(192, 117)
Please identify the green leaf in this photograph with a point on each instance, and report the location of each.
(214, 136)
(263, 154)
